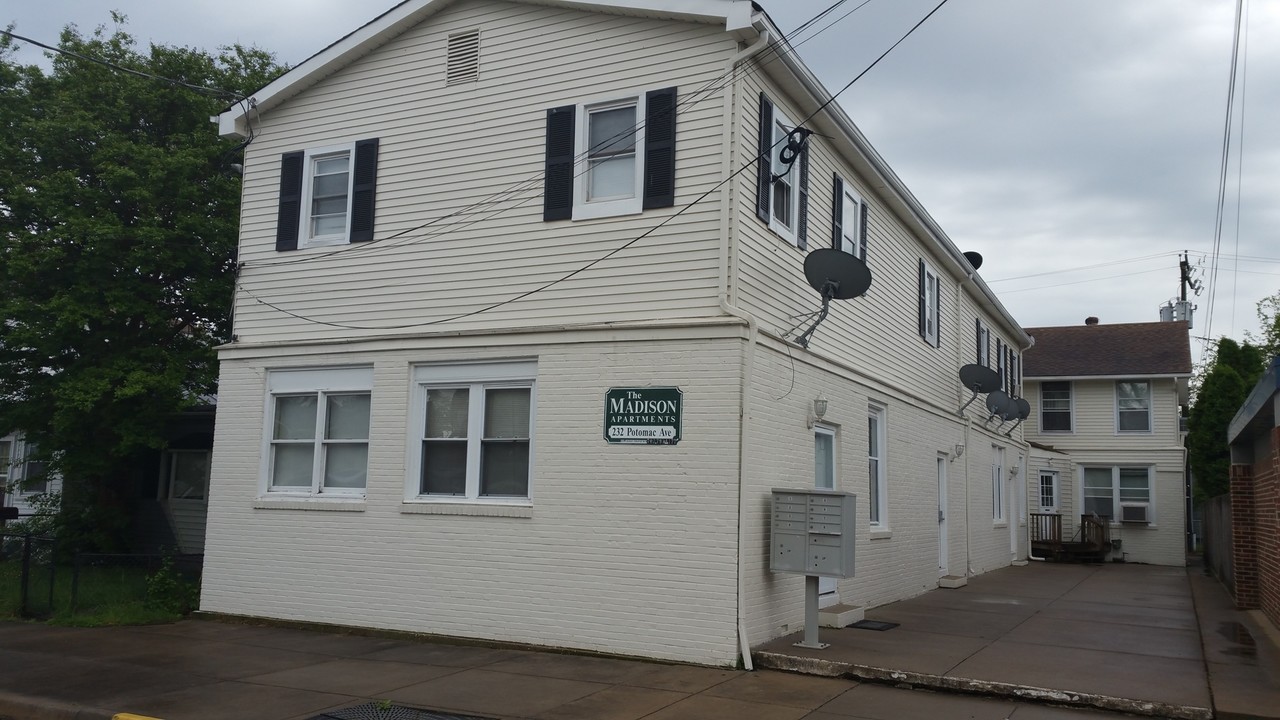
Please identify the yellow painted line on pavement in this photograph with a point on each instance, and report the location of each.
(131, 716)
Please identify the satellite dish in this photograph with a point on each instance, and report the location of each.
(979, 379)
(1000, 405)
(1024, 412)
(836, 272)
(975, 259)
(836, 275)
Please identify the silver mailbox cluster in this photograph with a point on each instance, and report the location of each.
(812, 532)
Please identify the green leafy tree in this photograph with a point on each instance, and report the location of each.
(118, 220)
(1229, 376)
(1268, 340)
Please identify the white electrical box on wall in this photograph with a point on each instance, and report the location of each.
(812, 532)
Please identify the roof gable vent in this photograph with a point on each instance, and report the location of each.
(463, 65)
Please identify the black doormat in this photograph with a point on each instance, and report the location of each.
(874, 625)
(381, 711)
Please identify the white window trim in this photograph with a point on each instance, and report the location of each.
(513, 374)
(932, 284)
(305, 240)
(851, 196)
(999, 489)
(829, 431)
(320, 381)
(984, 350)
(1071, 399)
(1151, 401)
(583, 209)
(790, 234)
(1115, 491)
(881, 522)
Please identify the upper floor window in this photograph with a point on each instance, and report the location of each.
(782, 193)
(318, 431)
(930, 309)
(1133, 406)
(609, 158)
(848, 220)
(983, 342)
(1055, 406)
(327, 195)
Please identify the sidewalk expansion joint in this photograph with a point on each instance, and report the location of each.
(868, 673)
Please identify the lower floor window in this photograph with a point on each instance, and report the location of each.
(1107, 490)
(319, 431)
(474, 430)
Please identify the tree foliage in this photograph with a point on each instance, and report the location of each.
(1268, 310)
(118, 222)
(1229, 376)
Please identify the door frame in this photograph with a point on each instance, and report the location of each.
(943, 541)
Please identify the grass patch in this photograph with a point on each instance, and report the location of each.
(103, 595)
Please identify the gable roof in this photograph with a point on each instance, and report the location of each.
(1132, 349)
(735, 15)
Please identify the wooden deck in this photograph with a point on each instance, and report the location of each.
(1091, 542)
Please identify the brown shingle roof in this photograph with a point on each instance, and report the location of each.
(1156, 348)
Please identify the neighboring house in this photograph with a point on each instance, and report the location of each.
(22, 477)
(461, 266)
(1107, 397)
(1254, 435)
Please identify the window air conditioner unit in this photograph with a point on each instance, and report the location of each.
(1136, 513)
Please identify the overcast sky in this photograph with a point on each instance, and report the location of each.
(1077, 141)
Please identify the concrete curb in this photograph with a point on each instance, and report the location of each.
(832, 668)
(23, 707)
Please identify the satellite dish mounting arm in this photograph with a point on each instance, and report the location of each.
(829, 291)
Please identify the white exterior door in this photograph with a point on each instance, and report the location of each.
(942, 515)
(824, 478)
(1048, 491)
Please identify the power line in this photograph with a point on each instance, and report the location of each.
(760, 158)
(120, 68)
(1223, 169)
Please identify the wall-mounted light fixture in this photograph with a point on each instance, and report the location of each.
(817, 409)
(959, 449)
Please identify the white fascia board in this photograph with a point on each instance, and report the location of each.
(232, 123)
(858, 150)
(1059, 378)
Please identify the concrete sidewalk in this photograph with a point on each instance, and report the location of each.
(1130, 638)
(198, 670)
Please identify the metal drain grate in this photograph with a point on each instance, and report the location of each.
(374, 711)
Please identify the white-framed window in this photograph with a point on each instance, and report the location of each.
(1133, 406)
(984, 344)
(1048, 491)
(34, 476)
(472, 432)
(609, 180)
(317, 438)
(1109, 490)
(326, 196)
(853, 226)
(784, 192)
(6, 463)
(188, 474)
(997, 484)
(824, 457)
(930, 303)
(1055, 406)
(877, 492)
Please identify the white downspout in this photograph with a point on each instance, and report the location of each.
(727, 292)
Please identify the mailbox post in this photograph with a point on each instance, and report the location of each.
(812, 535)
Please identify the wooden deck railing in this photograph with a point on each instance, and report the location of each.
(1046, 528)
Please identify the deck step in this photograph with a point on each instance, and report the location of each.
(952, 581)
(838, 616)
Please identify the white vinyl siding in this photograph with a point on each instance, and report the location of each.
(445, 149)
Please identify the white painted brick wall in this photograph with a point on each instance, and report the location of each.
(631, 549)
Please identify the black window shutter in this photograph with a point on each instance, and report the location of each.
(923, 332)
(862, 234)
(660, 148)
(1000, 361)
(937, 311)
(802, 217)
(764, 171)
(837, 213)
(290, 210)
(557, 191)
(364, 184)
(978, 344)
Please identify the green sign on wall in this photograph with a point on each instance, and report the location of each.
(643, 416)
